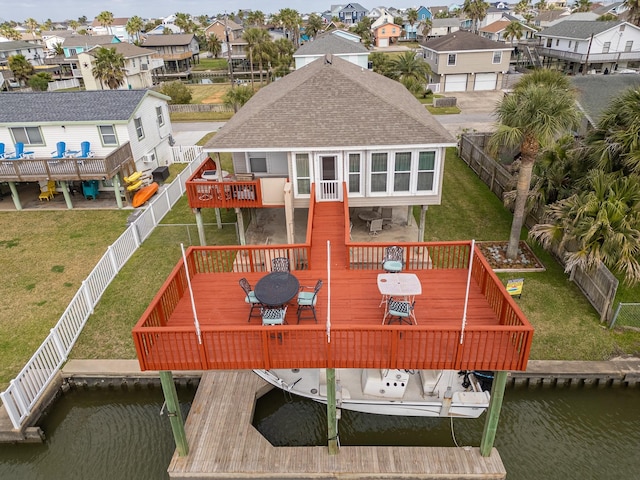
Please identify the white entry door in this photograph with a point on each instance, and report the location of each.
(329, 177)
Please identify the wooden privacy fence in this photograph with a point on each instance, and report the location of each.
(598, 285)
(25, 390)
(197, 108)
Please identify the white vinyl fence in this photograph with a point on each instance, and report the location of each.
(25, 390)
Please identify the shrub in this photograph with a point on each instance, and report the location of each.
(178, 92)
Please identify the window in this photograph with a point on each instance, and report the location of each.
(628, 46)
(258, 164)
(108, 134)
(606, 47)
(139, 129)
(570, 42)
(378, 172)
(27, 135)
(451, 59)
(159, 116)
(402, 172)
(354, 173)
(497, 57)
(575, 48)
(303, 173)
(557, 42)
(426, 170)
(549, 42)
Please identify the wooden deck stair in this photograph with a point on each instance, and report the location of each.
(328, 224)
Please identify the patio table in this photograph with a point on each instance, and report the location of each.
(277, 288)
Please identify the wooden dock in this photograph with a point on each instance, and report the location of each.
(223, 445)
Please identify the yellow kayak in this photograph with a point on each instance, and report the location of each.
(133, 178)
(134, 186)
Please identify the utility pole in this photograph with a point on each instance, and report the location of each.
(226, 38)
(586, 64)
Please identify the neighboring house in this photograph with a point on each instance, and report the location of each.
(463, 61)
(55, 37)
(386, 17)
(331, 44)
(33, 53)
(387, 34)
(616, 8)
(378, 12)
(352, 13)
(495, 31)
(493, 15)
(117, 28)
(424, 14)
(546, 18)
(76, 44)
(179, 53)
(139, 65)
(165, 27)
(440, 27)
(595, 47)
(576, 17)
(352, 37)
(596, 92)
(128, 130)
(225, 30)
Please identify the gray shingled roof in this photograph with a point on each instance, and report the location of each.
(81, 106)
(578, 29)
(455, 42)
(164, 40)
(335, 104)
(333, 44)
(595, 92)
(16, 45)
(87, 40)
(127, 49)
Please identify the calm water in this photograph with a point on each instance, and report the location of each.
(543, 434)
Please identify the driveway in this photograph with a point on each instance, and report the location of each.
(476, 112)
(190, 133)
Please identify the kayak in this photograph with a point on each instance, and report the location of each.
(133, 178)
(144, 194)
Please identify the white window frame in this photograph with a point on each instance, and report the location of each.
(137, 122)
(297, 177)
(104, 135)
(606, 47)
(455, 59)
(499, 55)
(371, 173)
(160, 116)
(24, 135)
(628, 46)
(361, 173)
(413, 172)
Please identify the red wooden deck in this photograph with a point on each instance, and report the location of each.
(496, 336)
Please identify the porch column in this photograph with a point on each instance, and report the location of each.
(200, 225)
(288, 213)
(218, 218)
(14, 195)
(116, 190)
(409, 215)
(332, 417)
(423, 221)
(240, 218)
(218, 164)
(493, 413)
(65, 194)
(173, 412)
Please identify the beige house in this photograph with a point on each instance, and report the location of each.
(139, 65)
(463, 61)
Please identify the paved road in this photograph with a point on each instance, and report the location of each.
(190, 133)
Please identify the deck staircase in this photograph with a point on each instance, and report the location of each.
(533, 56)
(328, 224)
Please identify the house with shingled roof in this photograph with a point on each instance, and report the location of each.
(342, 128)
(139, 65)
(179, 52)
(127, 131)
(463, 61)
(332, 44)
(496, 31)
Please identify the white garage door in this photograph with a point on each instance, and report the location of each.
(485, 81)
(455, 83)
(383, 42)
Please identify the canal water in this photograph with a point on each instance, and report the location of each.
(544, 433)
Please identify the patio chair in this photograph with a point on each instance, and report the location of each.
(387, 214)
(375, 226)
(280, 264)
(250, 298)
(307, 302)
(393, 259)
(2, 152)
(19, 153)
(48, 191)
(399, 311)
(273, 315)
(85, 150)
(61, 150)
(514, 287)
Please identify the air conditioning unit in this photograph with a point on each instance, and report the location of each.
(149, 158)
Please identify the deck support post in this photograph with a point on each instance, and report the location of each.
(332, 417)
(65, 194)
(14, 195)
(200, 225)
(409, 215)
(493, 413)
(116, 190)
(240, 217)
(423, 221)
(173, 412)
(218, 218)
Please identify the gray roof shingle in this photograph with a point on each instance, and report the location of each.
(461, 40)
(81, 106)
(579, 29)
(330, 43)
(335, 104)
(165, 40)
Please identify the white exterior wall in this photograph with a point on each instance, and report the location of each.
(617, 39)
(135, 78)
(156, 138)
(362, 60)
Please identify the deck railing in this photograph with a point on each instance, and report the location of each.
(25, 390)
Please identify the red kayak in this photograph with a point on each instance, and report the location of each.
(144, 194)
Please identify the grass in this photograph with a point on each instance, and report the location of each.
(442, 110)
(201, 116)
(211, 64)
(210, 93)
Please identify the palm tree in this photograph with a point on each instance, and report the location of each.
(291, 21)
(476, 10)
(237, 97)
(633, 9)
(427, 25)
(105, 19)
(21, 68)
(264, 50)
(412, 17)
(582, 6)
(314, 25)
(408, 65)
(133, 27)
(363, 29)
(613, 144)
(58, 49)
(203, 20)
(381, 64)
(214, 45)
(601, 223)
(283, 56)
(108, 67)
(513, 30)
(541, 107)
(252, 36)
(523, 7)
(74, 24)
(255, 19)
(11, 33)
(32, 25)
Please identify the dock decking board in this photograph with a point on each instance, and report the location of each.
(224, 444)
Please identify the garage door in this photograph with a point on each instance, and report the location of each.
(455, 83)
(383, 42)
(485, 81)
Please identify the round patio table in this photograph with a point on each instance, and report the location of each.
(276, 288)
(369, 215)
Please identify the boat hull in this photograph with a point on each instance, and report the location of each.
(144, 194)
(442, 393)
